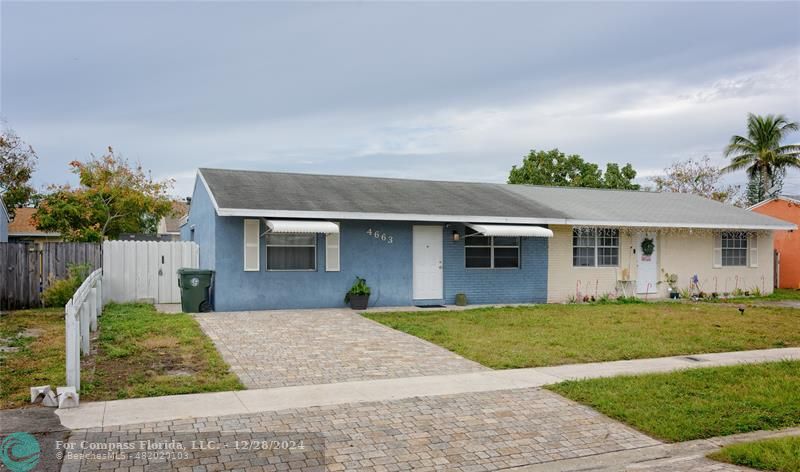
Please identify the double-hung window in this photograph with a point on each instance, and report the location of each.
(595, 247)
(735, 249)
(290, 251)
(490, 252)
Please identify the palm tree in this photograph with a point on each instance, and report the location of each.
(761, 153)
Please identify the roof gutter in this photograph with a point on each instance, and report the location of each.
(336, 215)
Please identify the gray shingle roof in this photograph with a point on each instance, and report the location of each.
(277, 194)
(309, 192)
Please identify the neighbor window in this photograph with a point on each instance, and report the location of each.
(595, 247)
(287, 251)
(734, 248)
(490, 252)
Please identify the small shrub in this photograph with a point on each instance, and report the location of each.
(359, 288)
(629, 300)
(60, 291)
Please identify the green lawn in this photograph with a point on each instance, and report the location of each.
(138, 353)
(143, 353)
(34, 345)
(539, 335)
(779, 454)
(697, 403)
(783, 294)
(780, 294)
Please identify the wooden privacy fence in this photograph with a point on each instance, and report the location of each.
(26, 269)
(80, 317)
(146, 270)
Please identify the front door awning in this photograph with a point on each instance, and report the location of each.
(302, 226)
(512, 230)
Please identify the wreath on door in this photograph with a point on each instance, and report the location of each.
(648, 246)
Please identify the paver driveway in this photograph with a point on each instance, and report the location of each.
(303, 347)
(464, 432)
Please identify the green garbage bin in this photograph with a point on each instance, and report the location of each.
(195, 287)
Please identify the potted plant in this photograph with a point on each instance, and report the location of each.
(672, 281)
(358, 295)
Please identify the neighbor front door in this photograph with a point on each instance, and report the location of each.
(646, 265)
(428, 281)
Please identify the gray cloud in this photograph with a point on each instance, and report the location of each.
(444, 90)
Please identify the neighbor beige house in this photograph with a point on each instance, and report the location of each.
(598, 247)
(685, 253)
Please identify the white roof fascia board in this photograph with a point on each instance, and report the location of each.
(337, 215)
(210, 193)
(645, 224)
(761, 203)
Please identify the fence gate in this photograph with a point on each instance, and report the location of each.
(26, 269)
(146, 270)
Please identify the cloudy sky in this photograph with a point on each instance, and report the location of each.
(426, 90)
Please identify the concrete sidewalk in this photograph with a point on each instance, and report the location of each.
(147, 410)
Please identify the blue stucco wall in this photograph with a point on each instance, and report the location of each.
(526, 284)
(387, 268)
(204, 219)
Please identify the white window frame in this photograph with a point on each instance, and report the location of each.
(492, 247)
(750, 248)
(252, 229)
(267, 246)
(333, 243)
(596, 236)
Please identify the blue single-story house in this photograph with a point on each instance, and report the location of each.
(283, 240)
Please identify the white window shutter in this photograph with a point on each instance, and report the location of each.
(717, 262)
(752, 246)
(332, 263)
(252, 230)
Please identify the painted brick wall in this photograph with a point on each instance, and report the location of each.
(527, 284)
(387, 268)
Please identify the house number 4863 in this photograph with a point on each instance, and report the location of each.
(378, 234)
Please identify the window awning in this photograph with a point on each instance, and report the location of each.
(512, 230)
(301, 226)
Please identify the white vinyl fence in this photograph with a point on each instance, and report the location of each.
(146, 270)
(81, 315)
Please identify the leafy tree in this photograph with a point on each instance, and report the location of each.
(698, 177)
(755, 187)
(17, 162)
(112, 198)
(615, 177)
(761, 153)
(555, 168)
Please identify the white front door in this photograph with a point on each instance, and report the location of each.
(646, 265)
(428, 281)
